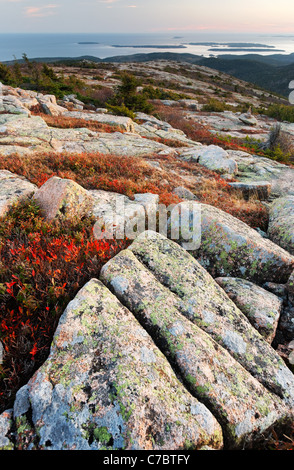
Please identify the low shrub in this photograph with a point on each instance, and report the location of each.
(42, 266)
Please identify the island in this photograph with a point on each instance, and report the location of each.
(150, 46)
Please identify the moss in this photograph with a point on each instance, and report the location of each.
(102, 435)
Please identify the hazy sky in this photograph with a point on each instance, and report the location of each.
(102, 16)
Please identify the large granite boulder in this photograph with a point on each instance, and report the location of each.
(106, 386)
(281, 222)
(212, 157)
(11, 104)
(210, 373)
(49, 105)
(203, 302)
(63, 199)
(229, 247)
(119, 216)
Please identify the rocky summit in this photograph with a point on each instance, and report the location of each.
(181, 339)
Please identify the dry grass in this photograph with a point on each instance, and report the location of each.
(131, 175)
(66, 122)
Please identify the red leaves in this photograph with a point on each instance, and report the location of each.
(42, 267)
(34, 351)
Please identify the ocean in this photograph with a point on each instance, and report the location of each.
(13, 46)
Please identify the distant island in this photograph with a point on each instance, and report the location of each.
(231, 44)
(241, 49)
(150, 46)
(88, 42)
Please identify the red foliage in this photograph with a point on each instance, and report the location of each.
(42, 267)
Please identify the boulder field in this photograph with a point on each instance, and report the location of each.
(169, 347)
(162, 351)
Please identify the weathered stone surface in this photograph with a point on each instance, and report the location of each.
(11, 104)
(106, 385)
(24, 135)
(127, 124)
(119, 215)
(17, 127)
(5, 428)
(63, 199)
(151, 127)
(262, 308)
(254, 168)
(117, 143)
(229, 247)
(12, 188)
(281, 223)
(212, 157)
(203, 302)
(243, 406)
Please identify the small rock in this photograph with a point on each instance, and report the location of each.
(248, 119)
(50, 108)
(6, 420)
(184, 193)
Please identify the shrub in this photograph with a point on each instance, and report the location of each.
(280, 112)
(214, 105)
(42, 266)
(127, 98)
(120, 110)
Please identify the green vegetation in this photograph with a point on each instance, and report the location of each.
(39, 77)
(127, 98)
(280, 112)
(214, 105)
(33, 76)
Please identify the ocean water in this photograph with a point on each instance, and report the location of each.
(102, 45)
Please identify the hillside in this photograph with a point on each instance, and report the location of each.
(272, 72)
(146, 259)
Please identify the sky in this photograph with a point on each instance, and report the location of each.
(146, 16)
